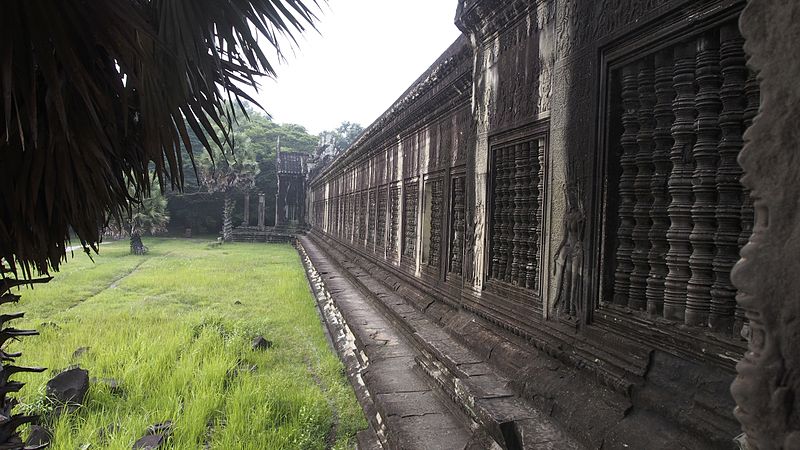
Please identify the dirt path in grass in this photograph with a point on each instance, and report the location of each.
(115, 282)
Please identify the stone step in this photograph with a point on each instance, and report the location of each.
(465, 377)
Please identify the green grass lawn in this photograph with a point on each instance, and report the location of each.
(166, 326)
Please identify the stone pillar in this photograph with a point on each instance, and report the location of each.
(247, 209)
(262, 210)
(767, 389)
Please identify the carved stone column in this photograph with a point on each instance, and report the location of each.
(767, 389)
(247, 210)
(262, 210)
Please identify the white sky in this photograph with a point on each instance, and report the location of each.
(368, 52)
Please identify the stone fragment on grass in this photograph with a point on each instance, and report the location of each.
(79, 352)
(261, 343)
(163, 428)
(155, 436)
(38, 436)
(68, 388)
(149, 442)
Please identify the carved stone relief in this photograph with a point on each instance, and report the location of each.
(767, 389)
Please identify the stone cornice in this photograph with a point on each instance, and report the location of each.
(482, 18)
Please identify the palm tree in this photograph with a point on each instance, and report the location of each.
(148, 217)
(95, 94)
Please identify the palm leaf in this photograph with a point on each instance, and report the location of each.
(96, 94)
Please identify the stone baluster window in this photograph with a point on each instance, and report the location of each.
(516, 200)
(458, 225)
(394, 221)
(410, 200)
(681, 212)
(362, 217)
(373, 204)
(432, 223)
(380, 221)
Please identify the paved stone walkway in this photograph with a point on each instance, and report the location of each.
(408, 412)
(425, 383)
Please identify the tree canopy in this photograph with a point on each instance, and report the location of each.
(248, 165)
(344, 135)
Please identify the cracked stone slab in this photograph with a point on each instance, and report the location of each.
(411, 404)
(429, 432)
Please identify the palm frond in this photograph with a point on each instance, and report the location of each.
(95, 94)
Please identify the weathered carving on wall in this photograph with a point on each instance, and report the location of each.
(752, 93)
(568, 269)
(767, 389)
(582, 22)
(518, 63)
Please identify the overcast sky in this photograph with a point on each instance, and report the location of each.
(368, 52)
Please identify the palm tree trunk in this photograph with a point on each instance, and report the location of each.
(137, 246)
(227, 217)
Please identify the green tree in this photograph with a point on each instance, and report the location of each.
(345, 134)
(247, 165)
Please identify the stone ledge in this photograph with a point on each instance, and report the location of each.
(402, 407)
(595, 414)
(465, 377)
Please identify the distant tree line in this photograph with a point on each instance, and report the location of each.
(213, 192)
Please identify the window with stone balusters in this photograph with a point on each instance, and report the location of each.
(458, 216)
(362, 217)
(516, 196)
(394, 221)
(372, 202)
(681, 214)
(380, 221)
(411, 196)
(432, 223)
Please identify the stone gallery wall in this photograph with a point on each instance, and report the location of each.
(563, 184)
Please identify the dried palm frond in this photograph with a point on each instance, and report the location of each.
(97, 95)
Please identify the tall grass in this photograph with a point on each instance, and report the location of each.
(167, 326)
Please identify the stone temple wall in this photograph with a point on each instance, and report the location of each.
(563, 182)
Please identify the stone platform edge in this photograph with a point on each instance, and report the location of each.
(343, 341)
